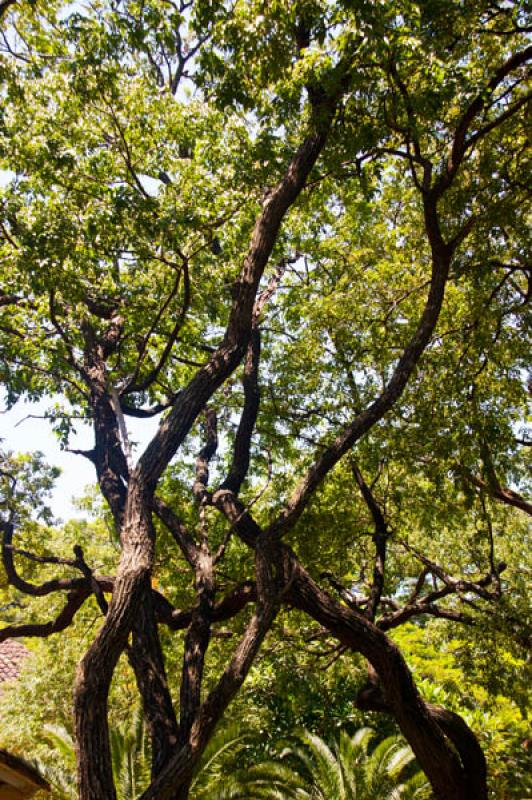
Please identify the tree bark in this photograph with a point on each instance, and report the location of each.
(273, 579)
(451, 778)
(371, 698)
(95, 671)
(146, 658)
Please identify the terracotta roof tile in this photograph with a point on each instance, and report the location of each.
(12, 654)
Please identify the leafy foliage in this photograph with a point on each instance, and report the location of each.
(308, 768)
(344, 181)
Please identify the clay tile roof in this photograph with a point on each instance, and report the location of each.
(12, 654)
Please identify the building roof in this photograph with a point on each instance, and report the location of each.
(12, 654)
(18, 779)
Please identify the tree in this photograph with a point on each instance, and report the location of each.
(205, 194)
(129, 755)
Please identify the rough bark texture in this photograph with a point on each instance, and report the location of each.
(95, 671)
(137, 537)
(371, 698)
(445, 747)
(146, 658)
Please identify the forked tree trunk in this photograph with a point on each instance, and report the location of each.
(95, 671)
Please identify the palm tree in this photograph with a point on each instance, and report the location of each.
(130, 754)
(210, 775)
(130, 759)
(310, 770)
(62, 774)
(306, 770)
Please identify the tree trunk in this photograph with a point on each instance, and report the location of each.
(183, 791)
(450, 777)
(146, 658)
(95, 671)
(453, 776)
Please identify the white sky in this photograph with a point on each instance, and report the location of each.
(21, 433)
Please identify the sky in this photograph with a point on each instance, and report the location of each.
(21, 430)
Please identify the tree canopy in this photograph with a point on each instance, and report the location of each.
(296, 233)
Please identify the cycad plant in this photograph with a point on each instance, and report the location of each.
(131, 762)
(130, 759)
(211, 775)
(310, 770)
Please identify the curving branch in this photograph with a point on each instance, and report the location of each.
(458, 586)
(226, 608)
(447, 772)
(227, 356)
(363, 422)
(134, 385)
(441, 253)
(178, 529)
(411, 134)
(461, 143)
(380, 540)
(146, 413)
(60, 623)
(498, 492)
(35, 590)
(424, 608)
(242, 446)
(371, 698)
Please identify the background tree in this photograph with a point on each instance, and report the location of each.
(175, 167)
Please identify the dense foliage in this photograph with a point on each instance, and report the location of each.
(296, 233)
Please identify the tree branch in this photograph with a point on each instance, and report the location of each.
(14, 579)
(380, 538)
(60, 623)
(394, 388)
(241, 449)
(151, 377)
(507, 496)
(460, 142)
(358, 634)
(371, 698)
(227, 356)
(178, 529)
